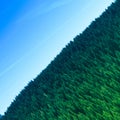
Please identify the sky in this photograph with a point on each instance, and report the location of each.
(33, 32)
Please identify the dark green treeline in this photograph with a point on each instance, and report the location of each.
(82, 82)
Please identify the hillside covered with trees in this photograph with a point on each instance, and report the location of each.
(82, 82)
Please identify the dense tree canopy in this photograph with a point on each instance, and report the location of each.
(82, 82)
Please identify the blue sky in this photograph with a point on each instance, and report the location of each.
(33, 32)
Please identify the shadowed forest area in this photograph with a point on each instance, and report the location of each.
(82, 82)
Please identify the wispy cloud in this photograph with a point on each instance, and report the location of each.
(57, 4)
(42, 9)
(11, 66)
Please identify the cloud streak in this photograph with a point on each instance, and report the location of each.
(42, 9)
(11, 66)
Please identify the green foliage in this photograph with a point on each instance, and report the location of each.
(83, 81)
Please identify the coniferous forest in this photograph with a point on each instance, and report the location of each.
(82, 82)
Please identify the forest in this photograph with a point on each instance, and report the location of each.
(82, 82)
